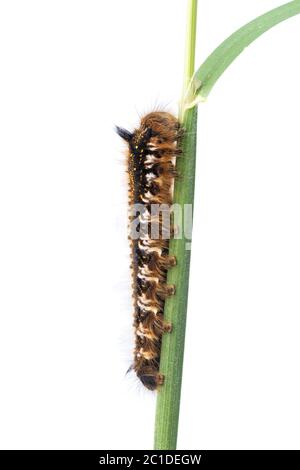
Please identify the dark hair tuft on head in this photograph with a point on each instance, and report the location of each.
(124, 134)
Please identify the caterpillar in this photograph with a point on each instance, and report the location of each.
(152, 149)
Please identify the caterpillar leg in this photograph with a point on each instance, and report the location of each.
(167, 327)
(170, 289)
(160, 379)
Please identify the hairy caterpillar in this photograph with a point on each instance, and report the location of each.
(152, 149)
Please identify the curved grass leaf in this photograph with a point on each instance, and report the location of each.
(214, 66)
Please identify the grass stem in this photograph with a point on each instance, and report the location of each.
(171, 362)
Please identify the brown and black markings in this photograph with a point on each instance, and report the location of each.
(152, 149)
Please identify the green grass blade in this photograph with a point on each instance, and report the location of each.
(171, 361)
(196, 88)
(214, 66)
(168, 399)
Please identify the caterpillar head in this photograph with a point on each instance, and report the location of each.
(149, 381)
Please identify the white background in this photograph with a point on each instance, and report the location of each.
(70, 70)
